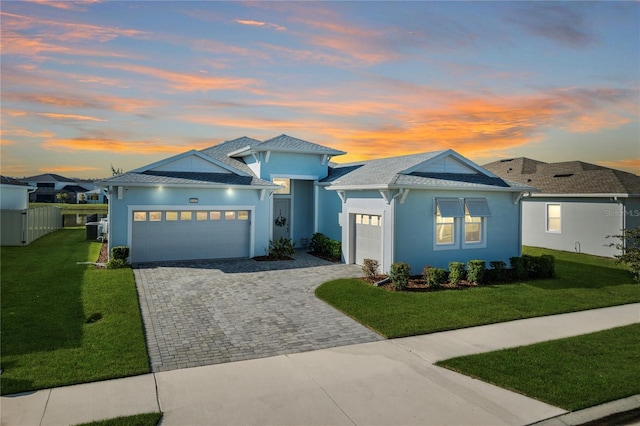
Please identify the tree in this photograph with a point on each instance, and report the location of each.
(63, 197)
(629, 247)
(116, 172)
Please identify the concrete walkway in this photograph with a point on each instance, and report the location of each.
(378, 383)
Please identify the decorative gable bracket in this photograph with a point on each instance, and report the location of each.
(343, 196)
(386, 195)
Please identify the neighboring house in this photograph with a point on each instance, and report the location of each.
(231, 199)
(578, 206)
(49, 185)
(14, 194)
(20, 225)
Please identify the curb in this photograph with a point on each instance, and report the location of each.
(622, 411)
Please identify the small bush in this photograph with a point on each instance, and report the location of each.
(282, 248)
(456, 272)
(519, 267)
(320, 243)
(370, 268)
(541, 266)
(475, 271)
(434, 277)
(120, 252)
(399, 274)
(335, 249)
(629, 246)
(498, 270)
(117, 264)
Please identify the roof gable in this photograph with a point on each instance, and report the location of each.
(221, 152)
(47, 177)
(191, 162)
(285, 143)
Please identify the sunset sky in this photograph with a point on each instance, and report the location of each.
(90, 84)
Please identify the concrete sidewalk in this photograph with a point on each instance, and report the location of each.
(386, 382)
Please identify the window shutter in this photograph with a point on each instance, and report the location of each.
(449, 207)
(477, 207)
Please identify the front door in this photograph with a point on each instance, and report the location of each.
(281, 219)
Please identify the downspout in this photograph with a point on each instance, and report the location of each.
(519, 202)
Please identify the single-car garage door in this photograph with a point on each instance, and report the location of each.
(189, 234)
(368, 237)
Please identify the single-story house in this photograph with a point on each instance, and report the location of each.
(231, 199)
(579, 204)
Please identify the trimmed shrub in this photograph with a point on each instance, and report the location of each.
(120, 253)
(519, 267)
(370, 268)
(282, 248)
(320, 243)
(541, 266)
(456, 272)
(498, 270)
(399, 274)
(335, 249)
(475, 271)
(117, 264)
(434, 277)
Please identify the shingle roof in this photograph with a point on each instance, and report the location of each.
(393, 172)
(11, 181)
(290, 144)
(47, 177)
(569, 177)
(186, 178)
(221, 152)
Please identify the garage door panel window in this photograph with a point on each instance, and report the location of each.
(186, 215)
(243, 215)
(214, 215)
(229, 215)
(140, 216)
(155, 216)
(171, 216)
(201, 215)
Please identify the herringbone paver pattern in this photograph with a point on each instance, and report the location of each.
(211, 312)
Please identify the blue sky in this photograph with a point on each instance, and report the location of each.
(88, 84)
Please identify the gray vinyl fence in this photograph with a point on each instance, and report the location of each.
(21, 227)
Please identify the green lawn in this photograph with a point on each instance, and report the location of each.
(582, 282)
(148, 419)
(46, 301)
(572, 373)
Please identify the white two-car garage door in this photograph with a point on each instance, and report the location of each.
(368, 237)
(160, 235)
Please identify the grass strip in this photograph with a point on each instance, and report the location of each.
(147, 419)
(64, 323)
(582, 282)
(572, 373)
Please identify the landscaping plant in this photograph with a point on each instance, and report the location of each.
(400, 273)
(629, 247)
(434, 277)
(282, 248)
(475, 271)
(498, 271)
(456, 272)
(370, 269)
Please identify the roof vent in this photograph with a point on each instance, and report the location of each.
(563, 175)
(507, 160)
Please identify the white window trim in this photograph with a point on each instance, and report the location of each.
(546, 218)
(459, 231)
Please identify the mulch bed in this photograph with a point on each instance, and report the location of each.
(103, 257)
(327, 258)
(270, 258)
(417, 284)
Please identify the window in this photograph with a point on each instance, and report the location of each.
(284, 182)
(472, 228)
(139, 216)
(229, 215)
(171, 216)
(186, 215)
(358, 219)
(202, 215)
(554, 218)
(445, 228)
(243, 215)
(155, 216)
(214, 215)
(464, 217)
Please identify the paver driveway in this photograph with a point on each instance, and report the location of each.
(210, 312)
